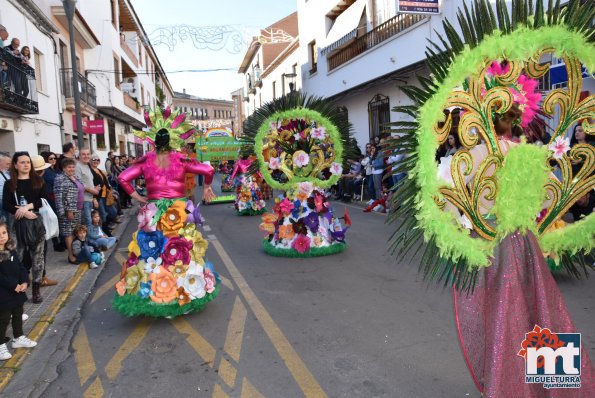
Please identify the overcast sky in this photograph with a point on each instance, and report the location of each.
(240, 18)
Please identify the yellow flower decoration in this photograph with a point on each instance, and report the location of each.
(178, 270)
(173, 219)
(133, 245)
(134, 276)
(199, 244)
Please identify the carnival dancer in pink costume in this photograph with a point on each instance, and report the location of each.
(249, 197)
(166, 273)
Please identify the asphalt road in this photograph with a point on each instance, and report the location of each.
(356, 324)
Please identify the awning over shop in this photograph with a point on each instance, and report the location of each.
(345, 26)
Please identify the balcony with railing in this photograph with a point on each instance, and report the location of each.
(86, 89)
(18, 89)
(381, 33)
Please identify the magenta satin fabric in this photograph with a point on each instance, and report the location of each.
(513, 295)
(164, 183)
(241, 166)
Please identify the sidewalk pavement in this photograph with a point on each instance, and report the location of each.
(41, 316)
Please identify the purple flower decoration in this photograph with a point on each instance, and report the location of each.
(194, 216)
(150, 243)
(339, 235)
(177, 248)
(311, 221)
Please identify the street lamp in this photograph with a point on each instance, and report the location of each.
(291, 77)
(69, 9)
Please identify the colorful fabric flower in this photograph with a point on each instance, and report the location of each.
(133, 247)
(173, 219)
(210, 281)
(317, 241)
(319, 202)
(559, 147)
(145, 217)
(527, 98)
(132, 259)
(178, 270)
(183, 297)
(199, 244)
(311, 221)
(301, 159)
(135, 275)
(336, 169)
(286, 206)
(274, 163)
(153, 265)
(150, 243)
(164, 286)
(297, 209)
(301, 243)
(194, 216)
(286, 231)
(145, 289)
(305, 188)
(268, 223)
(177, 248)
(193, 284)
(299, 227)
(318, 133)
(121, 287)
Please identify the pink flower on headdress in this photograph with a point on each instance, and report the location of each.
(319, 133)
(145, 217)
(274, 163)
(496, 69)
(560, 146)
(527, 98)
(302, 159)
(336, 169)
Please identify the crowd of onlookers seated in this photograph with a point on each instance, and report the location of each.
(85, 197)
(17, 61)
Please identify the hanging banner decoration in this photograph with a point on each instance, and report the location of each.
(430, 7)
(216, 144)
(90, 126)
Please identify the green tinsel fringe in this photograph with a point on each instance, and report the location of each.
(134, 305)
(313, 252)
(251, 212)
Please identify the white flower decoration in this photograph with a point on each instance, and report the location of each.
(305, 188)
(559, 147)
(318, 133)
(444, 170)
(301, 160)
(336, 168)
(153, 265)
(274, 163)
(193, 284)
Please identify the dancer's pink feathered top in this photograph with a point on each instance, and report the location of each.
(164, 183)
(242, 166)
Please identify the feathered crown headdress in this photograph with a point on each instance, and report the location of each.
(159, 121)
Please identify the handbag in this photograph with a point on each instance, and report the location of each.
(50, 220)
(109, 198)
(29, 232)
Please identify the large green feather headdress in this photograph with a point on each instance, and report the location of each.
(174, 122)
(525, 42)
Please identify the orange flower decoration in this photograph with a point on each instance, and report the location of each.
(268, 223)
(164, 286)
(121, 287)
(183, 297)
(173, 219)
(286, 231)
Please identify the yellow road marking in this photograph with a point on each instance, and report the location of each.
(200, 345)
(114, 366)
(227, 372)
(235, 330)
(218, 392)
(95, 390)
(294, 363)
(83, 356)
(226, 282)
(248, 390)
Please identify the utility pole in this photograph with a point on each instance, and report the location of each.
(69, 9)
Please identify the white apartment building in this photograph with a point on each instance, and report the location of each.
(29, 111)
(270, 65)
(359, 52)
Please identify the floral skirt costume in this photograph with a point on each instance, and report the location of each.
(249, 198)
(166, 274)
(485, 220)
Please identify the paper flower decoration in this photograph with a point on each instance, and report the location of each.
(301, 159)
(559, 147)
(210, 281)
(301, 243)
(121, 287)
(173, 219)
(145, 217)
(286, 231)
(274, 163)
(336, 169)
(193, 284)
(150, 243)
(183, 297)
(178, 270)
(152, 265)
(133, 245)
(135, 275)
(177, 248)
(164, 286)
(318, 133)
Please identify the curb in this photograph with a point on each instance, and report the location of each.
(11, 366)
